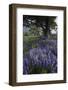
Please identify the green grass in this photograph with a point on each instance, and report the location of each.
(30, 38)
(28, 41)
(38, 70)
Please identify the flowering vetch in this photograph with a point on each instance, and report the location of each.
(42, 58)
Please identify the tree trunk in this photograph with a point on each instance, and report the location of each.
(47, 28)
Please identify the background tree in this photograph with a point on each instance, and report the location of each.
(46, 23)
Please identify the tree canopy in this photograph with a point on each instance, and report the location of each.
(39, 23)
